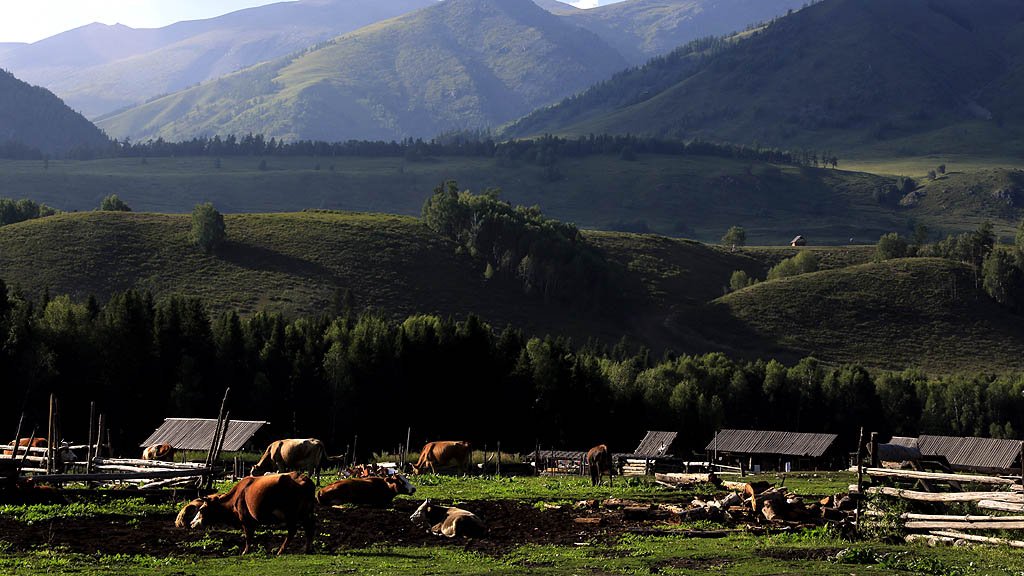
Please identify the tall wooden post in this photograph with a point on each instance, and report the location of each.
(17, 437)
(355, 440)
(874, 450)
(860, 479)
(216, 438)
(49, 439)
(99, 434)
(497, 471)
(88, 446)
(405, 455)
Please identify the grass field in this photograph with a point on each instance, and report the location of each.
(688, 196)
(612, 550)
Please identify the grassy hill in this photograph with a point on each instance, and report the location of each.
(456, 64)
(910, 312)
(688, 196)
(914, 77)
(99, 68)
(34, 117)
(915, 312)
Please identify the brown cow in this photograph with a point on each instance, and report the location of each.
(436, 454)
(600, 462)
(291, 454)
(160, 452)
(448, 521)
(372, 491)
(259, 500)
(31, 442)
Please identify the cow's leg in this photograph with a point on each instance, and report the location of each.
(292, 529)
(247, 533)
(310, 528)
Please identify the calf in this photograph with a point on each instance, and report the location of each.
(448, 521)
(160, 452)
(600, 462)
(259, 500)
(371, 491)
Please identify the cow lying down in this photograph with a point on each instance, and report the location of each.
(448, 520)
(256, 501)
(370, 491)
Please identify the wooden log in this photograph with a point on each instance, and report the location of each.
(731, 485)
(915, 475)
(685, 479)
(170, 482)
(774, 495)
(590, 521)
(930, 540)
(774, 510)
(119, 468)
(950, 525)
(946, 497)
(1001, 506)
(142, 463)
(112, 476)
(976, 538)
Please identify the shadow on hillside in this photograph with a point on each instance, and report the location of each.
(262, 259)
(713, 328)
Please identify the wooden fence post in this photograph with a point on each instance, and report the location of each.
(874, 450)
(860, 480)
(99, 434)
(49, 439)
(17, 437)
(405, 454)
(88, 446)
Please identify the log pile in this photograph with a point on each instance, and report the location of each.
(754, 506)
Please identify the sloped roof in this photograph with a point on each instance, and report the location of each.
(197, 433)
(893, 452)
(655, 444)
(972, 453)
(772, 442)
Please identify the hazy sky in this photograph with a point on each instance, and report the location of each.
(32, 20)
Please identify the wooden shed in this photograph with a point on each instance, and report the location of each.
(798, 241)
(761, 450)
(973, 454)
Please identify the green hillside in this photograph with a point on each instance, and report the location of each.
(32, 116)
(897, 77)
(696, 197)
(456, 64)
(913, 312)
(921, 312)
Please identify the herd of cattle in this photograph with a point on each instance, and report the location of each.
(278, 491)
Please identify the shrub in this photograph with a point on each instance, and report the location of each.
(208, 229)
(802, 263)
(890, 246)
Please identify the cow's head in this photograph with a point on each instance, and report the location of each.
(213, 510)
(428, 513)
(257, 470)
(188, 513)
(400, 484)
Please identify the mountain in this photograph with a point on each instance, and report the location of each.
(556, 7)
(458, 64)
(642, 29)
(34, 117)
(99, 69)
(840, 73)
(6, 47)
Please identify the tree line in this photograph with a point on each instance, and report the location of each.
(543, 151)
(343, 374)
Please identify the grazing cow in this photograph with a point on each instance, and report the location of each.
(259, 500)
(371, 491)
(600, 462)
(30, 442)
(448, 521)
(436, 454)
(161, 452)
(188, 513)
(291, 454)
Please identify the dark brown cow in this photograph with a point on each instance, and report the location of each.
(259, 500)
(371, 491)
(291, 454)
(448, 521)
(436, 454)
(30, 442)
(600, 462)
(160, 452)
